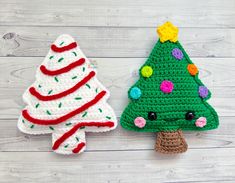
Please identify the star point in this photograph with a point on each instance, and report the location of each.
(168, 32)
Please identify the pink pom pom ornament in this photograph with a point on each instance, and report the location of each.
(167, 86)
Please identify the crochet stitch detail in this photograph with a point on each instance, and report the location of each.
(172, 98)
(146, 71)
(168, 32)
(66, 100)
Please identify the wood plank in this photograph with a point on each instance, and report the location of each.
(123, 28)
(131, 13)
(118, 75)
(120, 139)
(114, 42)
(204, 165)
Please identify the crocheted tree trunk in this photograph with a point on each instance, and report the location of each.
(66, 99)
(171, 142)
(169, 97)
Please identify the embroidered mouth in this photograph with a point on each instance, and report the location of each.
(171, 119)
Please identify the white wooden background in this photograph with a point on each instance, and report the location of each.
(117, 36)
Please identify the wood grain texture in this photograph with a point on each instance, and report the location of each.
(117, 36)
(128, 13)
(114, 41)
(120, 139)
(117, 75)
(198, 165)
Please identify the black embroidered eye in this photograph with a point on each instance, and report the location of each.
(189, 115)
(152, 116)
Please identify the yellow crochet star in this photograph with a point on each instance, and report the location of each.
(168, 32)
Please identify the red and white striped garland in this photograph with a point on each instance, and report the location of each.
(64, 48)
(39, 96)
(68, 134)
(65, 117)
(71, 66)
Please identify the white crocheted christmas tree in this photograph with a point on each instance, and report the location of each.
(66, 99)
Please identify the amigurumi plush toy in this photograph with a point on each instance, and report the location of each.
(66, 100)
(169, 97)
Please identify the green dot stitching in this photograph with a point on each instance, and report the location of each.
(60, 104)
(108, 117)
(56, 79)
(48, 112)
(78, 98)
(37, 105)
(87, 85)
(75, 54)
(85, 113)
(60, 59)
(50, 92)
(67, 145)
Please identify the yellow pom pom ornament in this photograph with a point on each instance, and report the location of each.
(146, 71)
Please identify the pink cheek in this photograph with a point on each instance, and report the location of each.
(201, 122)
(140, 122)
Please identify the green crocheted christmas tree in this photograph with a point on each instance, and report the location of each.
(169, 97)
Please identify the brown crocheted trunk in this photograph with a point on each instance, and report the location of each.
(171, 142)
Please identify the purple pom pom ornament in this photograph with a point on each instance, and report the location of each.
(203, 91)
(177, 53)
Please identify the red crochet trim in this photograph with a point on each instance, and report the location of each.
(61, 119)
(35, 93)
(76, 127)
(79, 147)
(69, 67)
(64, 48)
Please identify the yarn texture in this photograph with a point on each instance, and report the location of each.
(66, 100)
(146, 71)
(173, 94)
